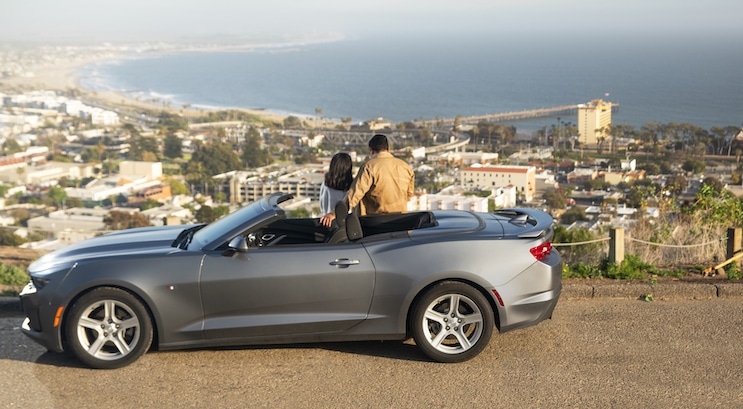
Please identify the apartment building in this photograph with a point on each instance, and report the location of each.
(592, 117)
(490, 177)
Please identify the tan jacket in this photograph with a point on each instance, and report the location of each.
(384, 184)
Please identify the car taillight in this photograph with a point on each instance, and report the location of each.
(541, 251)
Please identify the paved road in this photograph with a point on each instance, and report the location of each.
(598, 353)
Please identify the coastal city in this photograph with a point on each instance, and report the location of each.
(78, 164)
(376, 204)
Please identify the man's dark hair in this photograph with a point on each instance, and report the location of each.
(378, 143)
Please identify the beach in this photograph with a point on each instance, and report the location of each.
(58, 69)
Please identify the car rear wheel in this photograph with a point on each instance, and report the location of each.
(108, 328)
(452, 322)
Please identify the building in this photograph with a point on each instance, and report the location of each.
(89, 221)
(242, 186)
(489, 177)
(45, 174)
(150, 170)
(463, 158)
(448, 202)
(133, 177)
(582, 176)
(593, 117)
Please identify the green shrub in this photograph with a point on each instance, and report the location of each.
(13, 275)
(581, 270)
(733, 271)
(632, 268)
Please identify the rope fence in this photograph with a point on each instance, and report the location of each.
(660, 254)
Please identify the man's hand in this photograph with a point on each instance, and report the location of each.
(327, 220)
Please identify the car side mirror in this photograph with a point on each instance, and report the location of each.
(239, 244)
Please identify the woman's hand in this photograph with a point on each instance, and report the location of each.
(327, 220)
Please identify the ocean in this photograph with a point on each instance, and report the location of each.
(694, 81)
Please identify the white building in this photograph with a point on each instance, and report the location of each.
(448, 202)
(150, 170)
(491, 177)
(103, 117)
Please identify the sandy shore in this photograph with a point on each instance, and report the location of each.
(61, 74)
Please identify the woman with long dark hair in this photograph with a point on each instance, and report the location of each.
(337, 182)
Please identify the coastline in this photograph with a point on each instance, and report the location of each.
(62, 72)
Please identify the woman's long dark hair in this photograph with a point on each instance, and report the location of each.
(339, 175)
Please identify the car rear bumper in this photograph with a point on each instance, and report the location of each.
(531, 297)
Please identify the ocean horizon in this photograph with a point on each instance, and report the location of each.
(411, 79)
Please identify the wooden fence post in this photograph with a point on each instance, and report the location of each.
(616, 245)
(734, 241)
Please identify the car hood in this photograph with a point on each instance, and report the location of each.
(140, 241)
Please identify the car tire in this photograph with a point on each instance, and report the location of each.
(448, 334)
(108, 328)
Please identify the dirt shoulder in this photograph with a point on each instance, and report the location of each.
(19, 256)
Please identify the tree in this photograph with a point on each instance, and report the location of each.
(176, 187)
(172, 147)
(676, 184)
(714, 184)
(695, 166)
(292, 122)
(11, 146)
(555, 199)
(205, 214)
(573, 215)
(173, 122)
(318, 114)
(252, 154)
(424, 135)
(58, 195)
(216, 158)
(141, 144)
(118, 220)
(716, 207)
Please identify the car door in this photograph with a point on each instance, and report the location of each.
(286, 290)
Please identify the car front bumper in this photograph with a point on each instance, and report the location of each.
(39, 324)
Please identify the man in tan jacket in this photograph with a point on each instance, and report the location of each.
(384, 184)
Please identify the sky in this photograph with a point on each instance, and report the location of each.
(174, 20)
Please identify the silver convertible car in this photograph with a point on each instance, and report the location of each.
(444, 278)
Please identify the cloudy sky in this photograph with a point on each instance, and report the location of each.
(136, 20)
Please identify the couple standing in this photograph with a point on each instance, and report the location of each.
(384, 184)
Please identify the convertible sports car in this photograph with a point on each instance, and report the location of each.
(444, 278)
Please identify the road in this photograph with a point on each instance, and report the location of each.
(599, 353)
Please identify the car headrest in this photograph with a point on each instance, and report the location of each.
(353, 227)
(341, 210)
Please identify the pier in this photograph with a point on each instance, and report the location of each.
(507, 116)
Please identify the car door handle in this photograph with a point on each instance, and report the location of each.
(344, 262)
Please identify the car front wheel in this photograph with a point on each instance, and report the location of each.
(452, 322)
(108, 328)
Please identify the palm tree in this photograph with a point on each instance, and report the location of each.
(475, 133)
(318, 114)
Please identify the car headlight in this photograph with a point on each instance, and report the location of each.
(40, 282)
(43, 273)
(30, 288)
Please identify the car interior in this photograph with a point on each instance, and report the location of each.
(344, 230)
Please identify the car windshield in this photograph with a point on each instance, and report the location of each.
(222, 226)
